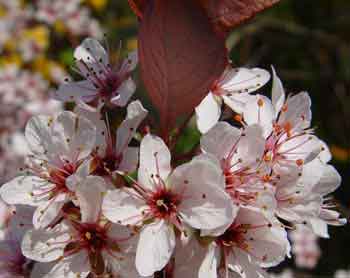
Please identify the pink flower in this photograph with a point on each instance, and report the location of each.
(104, 83)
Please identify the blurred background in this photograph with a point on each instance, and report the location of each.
(308, 42)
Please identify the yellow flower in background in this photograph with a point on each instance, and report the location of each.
(97, 4)
(11, 59)
(47, 67)
(60, 27)
(131, 44)
(38, 34)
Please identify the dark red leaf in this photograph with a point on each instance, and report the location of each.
(226, 14)
(180, 57)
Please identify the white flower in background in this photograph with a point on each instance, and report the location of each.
(70, 13)
(251, 243)
(305, 247)
(22, 95)
(113, 153)
(341, 273)
(59, 147)
(103, 83)
(89, 245)
(286, 124)
(233, 88)
(192, 194)
(239, 153)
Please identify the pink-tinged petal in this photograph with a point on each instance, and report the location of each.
(325, 155)
(154, 161)
(220, 140)
(123, 207)
(297, 111)
(259, 110)
(45, 245)
(332, 217)
(130, 62)
(237, 102)
(210, 264)
(268, 243)
(74, 135)
(319, 227)
(89, 195)
(72, 91)
(136, 113)
(278, 95)
(76, 265)
(79, 176)
(39, 136)
(124, 93)
(130, 160)
(91, 54)
(47, 212)
(204, 204)
(155, 247)
(239, 80)
(97, 120)
(208, 113)
(250, 148)
(20, 190)
(188, 258)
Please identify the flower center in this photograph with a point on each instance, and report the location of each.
(164, 203)
(234, 236)
(106, 165)
(59, 176)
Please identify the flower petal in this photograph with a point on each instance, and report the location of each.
(45, 245)
(154, 161)
(155, 248)
(72, 91)
(124, 93)
(89, 194)
(122, 207)
(205, 204)
(208, 113)
(278, 94)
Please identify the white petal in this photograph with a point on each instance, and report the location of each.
(278, 94)
(125, 92)
(330, 180)
(45, 245)
(74, 135)
(79, 176)
(130, 160)
(244, 80)
(72, 91)
(71, 267)
(89, 194)
(154, 161)
(237, 102)
(101, 130)
(92, 54)
(251, 147)
(130, 63)
(20, 190)
(126, 131)
(46, 213)
(122, 207)
(155, 247)
(39, 136)
(208, 113)
(298, 112)
(206, 205)
(209, 266)
(220, 140)
(259, 110)
(319, 227)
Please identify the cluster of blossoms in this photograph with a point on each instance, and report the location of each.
(110, 199)
(22, 95)
(22, 31)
